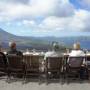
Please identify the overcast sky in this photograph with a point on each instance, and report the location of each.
(45, 17)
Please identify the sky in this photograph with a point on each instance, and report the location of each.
(45, 17)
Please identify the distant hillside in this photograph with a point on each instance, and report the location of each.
(22, 42)
(42, 43)
(68, 41)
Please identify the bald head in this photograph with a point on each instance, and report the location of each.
(76, 46)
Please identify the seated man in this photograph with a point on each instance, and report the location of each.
(13, 49)
(77, 52)
(55, 51)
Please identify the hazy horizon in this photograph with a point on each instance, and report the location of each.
(80, 35)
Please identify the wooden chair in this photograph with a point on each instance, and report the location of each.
(32, 65)
(16, 65)
(3, 66)
(53, 67)
(88, 65)
(73, 67)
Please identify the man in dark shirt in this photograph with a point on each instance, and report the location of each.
(13, 49)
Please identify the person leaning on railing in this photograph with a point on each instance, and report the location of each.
(13, 49)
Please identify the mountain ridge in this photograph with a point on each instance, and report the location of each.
(22, 42)
(42, 42)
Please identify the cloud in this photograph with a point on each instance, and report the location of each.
(58, 15)
(35, 8)
(17, 1)
(78, 22)
(29, 23)
(53, 23)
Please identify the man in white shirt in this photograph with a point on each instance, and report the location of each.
(54, 53)
(77, 52)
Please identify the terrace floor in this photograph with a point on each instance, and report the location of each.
(33, 85)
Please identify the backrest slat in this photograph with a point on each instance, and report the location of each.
(31, 61)
(1, 61)
(54, 62)
(75, 61)
(27, 60)
(15, 61)
(35, 61)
